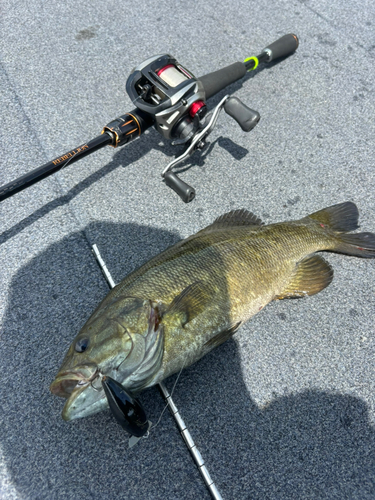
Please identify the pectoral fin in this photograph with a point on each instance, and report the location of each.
(311, 276)
(190, 302)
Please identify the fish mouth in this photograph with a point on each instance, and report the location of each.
(66, 382)
(82, 390)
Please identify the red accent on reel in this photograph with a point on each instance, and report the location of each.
(195, 107)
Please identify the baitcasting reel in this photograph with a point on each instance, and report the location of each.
(172, 99)
(169, 93)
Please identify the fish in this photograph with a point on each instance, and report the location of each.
(192, 297)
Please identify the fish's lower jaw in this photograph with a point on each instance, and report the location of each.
(74, 413)
(84, 402)
(67, 416)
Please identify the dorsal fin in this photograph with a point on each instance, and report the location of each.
(235, 218)
(239, 217)
(311, 276)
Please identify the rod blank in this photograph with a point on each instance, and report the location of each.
(53, 166)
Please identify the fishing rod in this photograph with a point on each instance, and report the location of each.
(170, 98)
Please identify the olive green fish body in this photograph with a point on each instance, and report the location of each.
(193, 296)
(242, 269)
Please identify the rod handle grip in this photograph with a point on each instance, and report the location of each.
(218, 80)
(283, 47)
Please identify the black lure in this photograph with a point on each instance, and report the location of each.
(125, 408)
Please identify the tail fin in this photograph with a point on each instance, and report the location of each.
(343, 218)
(360, 244)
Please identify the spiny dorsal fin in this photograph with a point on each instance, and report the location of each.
(311, 276)
(240, 217)
(235, 218)
(190, 302)
(222, 337)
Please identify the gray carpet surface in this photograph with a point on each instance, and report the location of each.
(286, 408)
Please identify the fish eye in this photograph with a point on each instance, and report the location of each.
(81, 345)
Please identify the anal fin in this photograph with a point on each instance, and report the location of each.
(311, 276)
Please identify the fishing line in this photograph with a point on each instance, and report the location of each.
(166, 406)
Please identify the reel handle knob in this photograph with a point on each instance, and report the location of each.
(184, 191)
(245, 117)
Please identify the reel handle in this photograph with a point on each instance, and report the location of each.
(184, 191)
(245, 117)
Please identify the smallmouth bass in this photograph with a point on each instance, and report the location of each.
(194, 296)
